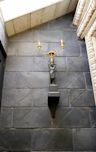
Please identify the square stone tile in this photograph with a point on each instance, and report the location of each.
(81, 98)
(63, 22)
(52, 139)
(31, 49)
(26, 49)
(24, 97)
(70, 80)
(72, 117)
(88, 80)
(85, 139)
(9, 80)
(71, 49)
(70, 37)
(64, 97)
(26, 36)
(77, 64)
(20, 64)
(15, 140)
(40, 64)
(48, 36)
(26, 80)
(37, 117)
(6, 118)
(60, 63)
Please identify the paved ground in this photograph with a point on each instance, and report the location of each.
(25, 119)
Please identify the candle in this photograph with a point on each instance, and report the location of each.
(62, 44)
(39, 45)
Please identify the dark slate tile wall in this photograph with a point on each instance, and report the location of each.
(26, 124)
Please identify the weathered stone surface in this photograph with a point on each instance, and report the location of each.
(26, 80)
(70, 80)
(52, 139)
(26, 49)
(72, 117)
(47, 36)
(26, 87)
(84, 139)
(6, 118)
(81, 98)
(24, 97)
(15, 140)
(77, 64)
(38, 117)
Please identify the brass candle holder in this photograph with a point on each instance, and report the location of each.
(52, 54)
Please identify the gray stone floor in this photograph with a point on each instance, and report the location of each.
(25, 119)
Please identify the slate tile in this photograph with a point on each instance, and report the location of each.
(77, 64)
(10, 79)
(64, 97)
(85, 139)
(81, 98)
(15, 140)
(70, 37)
(88, 81)
(31, 49)
(32, 79)
(70, 80)
(52, 139)
(26, 49)
(26, 36)
(6, 117)
(60, 63)
(63, 22)
(72, 117)
(93, 117)
(20, 64)
(71, 48)
(38, 117)
(24, 97)
(26, 80)
(48, 36)
(40, 64)
(33, 63)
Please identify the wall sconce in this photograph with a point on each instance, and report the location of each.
(39, 45)
(53, 94)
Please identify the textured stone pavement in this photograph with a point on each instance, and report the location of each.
(25, 119)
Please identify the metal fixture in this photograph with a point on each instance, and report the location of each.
(53, 94)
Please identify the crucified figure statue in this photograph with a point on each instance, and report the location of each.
(52, 69)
